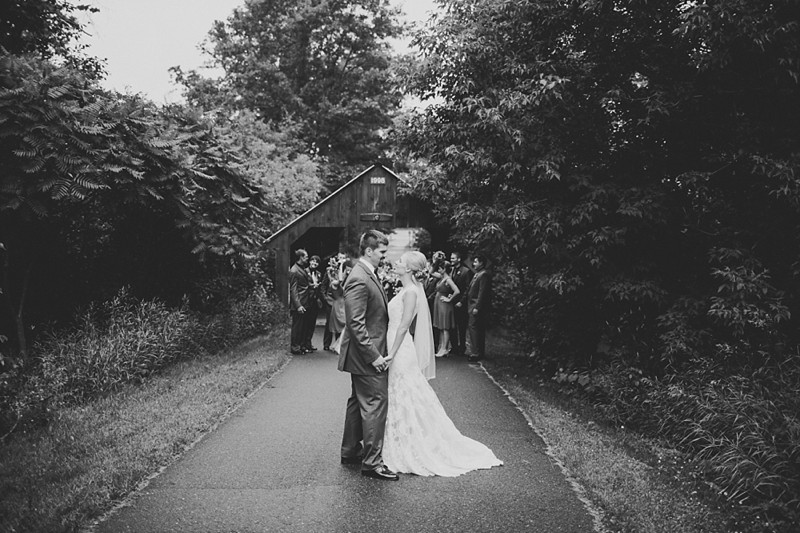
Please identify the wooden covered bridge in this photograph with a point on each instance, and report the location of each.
(368, 201)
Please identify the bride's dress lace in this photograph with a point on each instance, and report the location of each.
(420, 438)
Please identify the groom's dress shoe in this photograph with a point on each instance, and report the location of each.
(381, 473)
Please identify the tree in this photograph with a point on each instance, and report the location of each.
(274, 161)
(325, 64)
(98, 171)
(48, 28)
(635, 163)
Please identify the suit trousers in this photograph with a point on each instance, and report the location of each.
(310, 325)
(477, 335)
(458, 338)
(327, 336)
(298, 329)
(365, 418)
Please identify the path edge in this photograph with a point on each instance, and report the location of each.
(594, 511)
(142, 485)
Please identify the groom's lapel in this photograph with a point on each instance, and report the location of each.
(374, 279)
(383, 292)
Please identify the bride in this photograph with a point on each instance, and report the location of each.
(420, 438)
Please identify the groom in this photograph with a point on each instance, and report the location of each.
(363, 354)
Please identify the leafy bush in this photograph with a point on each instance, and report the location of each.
(123, 341)
(248, 310)
(742, 428)
(119, 341)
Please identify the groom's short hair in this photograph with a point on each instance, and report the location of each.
(372, 239)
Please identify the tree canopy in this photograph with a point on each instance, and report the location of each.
(634, 162)
(48, 28)
(325, 64)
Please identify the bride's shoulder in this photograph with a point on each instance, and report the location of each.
(409, 296)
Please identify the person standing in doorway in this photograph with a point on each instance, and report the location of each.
(314, 304)
(478, 303)
(337, 318)
(300, 295)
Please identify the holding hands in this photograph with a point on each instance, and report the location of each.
(381, 364)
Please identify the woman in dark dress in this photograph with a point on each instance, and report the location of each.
(336, 320)
(443, 310)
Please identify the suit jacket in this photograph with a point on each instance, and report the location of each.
(300, 291)
(479, 294)
(366, 322)
(462, 276)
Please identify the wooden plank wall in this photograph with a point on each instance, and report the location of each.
(374, 192)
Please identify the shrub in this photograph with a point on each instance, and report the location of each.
(236, 306)
(238, 316)
(741, 426)
(124, 340)
(119, 341)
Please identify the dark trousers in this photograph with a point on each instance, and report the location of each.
(365, 419)
(310, 325)
(327, 336)
(477, 335)
(298, 329)
(458, 335)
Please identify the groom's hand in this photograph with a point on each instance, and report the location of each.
(380, 364)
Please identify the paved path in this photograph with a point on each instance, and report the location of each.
(274, 466)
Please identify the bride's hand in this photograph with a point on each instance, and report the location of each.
(381, 363)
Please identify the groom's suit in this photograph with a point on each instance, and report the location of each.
(364, 341)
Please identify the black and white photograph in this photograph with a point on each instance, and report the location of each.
(379, 266)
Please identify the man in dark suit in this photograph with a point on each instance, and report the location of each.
(363, 354)
(300, 295)
(478, 303)
(462, 276)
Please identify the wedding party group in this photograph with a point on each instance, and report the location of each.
(384, 321)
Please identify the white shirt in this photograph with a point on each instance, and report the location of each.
(370, 268)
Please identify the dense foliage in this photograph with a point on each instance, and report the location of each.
(48, 28)
(324, 64)
(633, 169)
(100, 190)
(123, 340)
(273, 158)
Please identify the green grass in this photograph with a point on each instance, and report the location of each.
(638, 484)
(60, 477)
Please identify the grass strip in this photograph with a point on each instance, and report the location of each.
(61, 477)
(633, 495)
(639, 485)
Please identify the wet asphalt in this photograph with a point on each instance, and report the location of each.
(273, 465)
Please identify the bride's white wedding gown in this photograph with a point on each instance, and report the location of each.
(420, 438)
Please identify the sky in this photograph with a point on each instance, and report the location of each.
(142, 39)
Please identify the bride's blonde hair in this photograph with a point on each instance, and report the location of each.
(417, 265)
